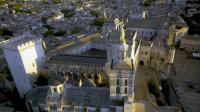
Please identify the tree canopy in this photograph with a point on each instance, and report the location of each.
(98, 22)
(75, 30)
(68, 13)
(94, 13)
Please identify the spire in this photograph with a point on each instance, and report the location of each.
(122, 36)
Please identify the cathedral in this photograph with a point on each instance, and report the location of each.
(96, 75)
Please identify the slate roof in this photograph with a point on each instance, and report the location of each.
(80, 59)
(56, 81)
(88, 83)
(147, 23)
(87, 96)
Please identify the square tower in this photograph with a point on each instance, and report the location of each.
(24, 56)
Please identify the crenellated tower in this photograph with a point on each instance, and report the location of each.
(122, 71)
(24, 55)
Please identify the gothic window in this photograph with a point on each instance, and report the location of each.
(117, 81)
(125, 90)
(145, 53)
(126, 82)
(118, 90)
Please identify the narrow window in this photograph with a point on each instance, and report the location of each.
(118, 90)
(125, 90)
(117, 81)
(125, 82)
(55, 90)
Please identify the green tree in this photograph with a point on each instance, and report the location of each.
(49, 32)
(68, 13)
(98, 22)
(75, 30)
(94, 13)
(17, 7)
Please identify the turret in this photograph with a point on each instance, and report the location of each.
(122, 48)
(56, 86)
(54, 95)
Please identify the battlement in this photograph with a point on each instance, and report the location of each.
(29, 43)
(20, 42)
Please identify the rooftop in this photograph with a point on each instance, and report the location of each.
(147, 23)
(192, 37)
(124, 65)
(80, 59)
(37, 95)
(86, 96)
(116, 36)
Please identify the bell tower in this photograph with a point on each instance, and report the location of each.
(122, 47)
